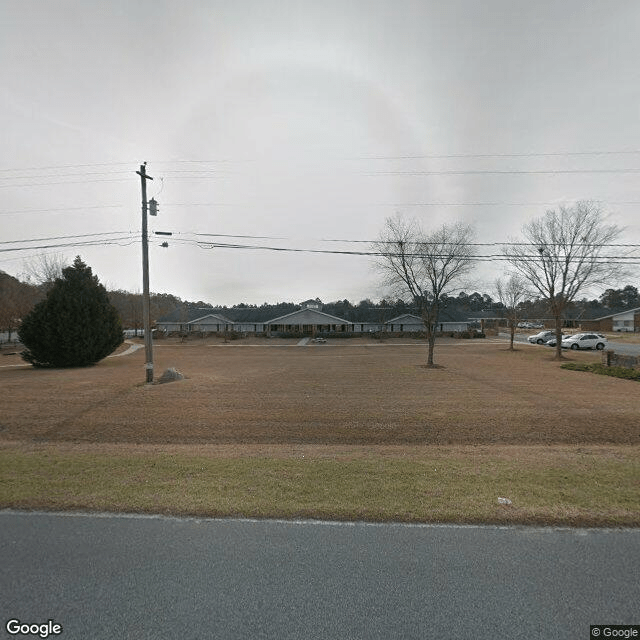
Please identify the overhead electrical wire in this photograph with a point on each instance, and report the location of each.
(532, 154)
(123, 238)
(15, 212)
(461, 172)
(44, 184)
(87, 243)
(259, 237)
(63, 175)
(374, 242)
(631, 260)
(82, 235)
(556, 154)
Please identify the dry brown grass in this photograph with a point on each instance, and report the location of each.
(348, 430)
(345, 392)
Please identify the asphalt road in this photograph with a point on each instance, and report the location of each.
(155, 577)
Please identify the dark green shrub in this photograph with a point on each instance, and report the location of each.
(615, 372)
(576, 366)
(75, 325)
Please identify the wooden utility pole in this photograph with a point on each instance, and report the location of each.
(146, 320)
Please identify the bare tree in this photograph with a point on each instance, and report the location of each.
(42, 270)
(565, 252)
(426, 266)
(511, 293)
(16, 300)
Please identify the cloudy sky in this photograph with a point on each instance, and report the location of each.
(305, 122)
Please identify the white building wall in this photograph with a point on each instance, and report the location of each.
(623, 321)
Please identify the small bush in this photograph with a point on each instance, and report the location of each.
(615, 372)
(576, 366)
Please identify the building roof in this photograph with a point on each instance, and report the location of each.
(308, 316)
(185, 315)
(405, 318)
(212, 316)
(486, 315)
(618, 313)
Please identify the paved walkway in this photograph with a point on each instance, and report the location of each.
(132, 349)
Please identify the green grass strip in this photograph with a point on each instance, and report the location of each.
(585, 490)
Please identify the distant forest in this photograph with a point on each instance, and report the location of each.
(459, 307)
(18, 298)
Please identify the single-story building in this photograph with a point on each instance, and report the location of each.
(186, 320)
(409, 323)
(307, 321)
(628, 320)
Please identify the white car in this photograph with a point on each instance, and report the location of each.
(585, 341)
(552, 342)
(542, 337)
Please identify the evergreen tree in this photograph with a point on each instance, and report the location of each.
(75, 325)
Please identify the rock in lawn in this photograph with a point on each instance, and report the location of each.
(170, 375)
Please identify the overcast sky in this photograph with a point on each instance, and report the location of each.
(303, 122)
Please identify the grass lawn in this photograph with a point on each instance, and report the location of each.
(353, 429)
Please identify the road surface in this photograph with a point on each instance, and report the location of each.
(156, 577)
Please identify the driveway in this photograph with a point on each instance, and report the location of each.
(619, 347)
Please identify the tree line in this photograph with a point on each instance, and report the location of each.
(18, 297)
(562, 254)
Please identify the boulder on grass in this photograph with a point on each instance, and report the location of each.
(170, 375)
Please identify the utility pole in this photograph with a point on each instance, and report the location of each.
(146, 320)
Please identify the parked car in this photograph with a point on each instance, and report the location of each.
(542, 337)
(318, 340)
(552, 342)
(585, 341)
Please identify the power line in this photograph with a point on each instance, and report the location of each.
(87, 243)
(470, 256)
(456, 172)
(62, 175)
(434, 156)
(342, 240)
(495, 204)
(16, 212)
(375, 242)
(68, 166)
(45, 184)
(83, 235)
(503, 155)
